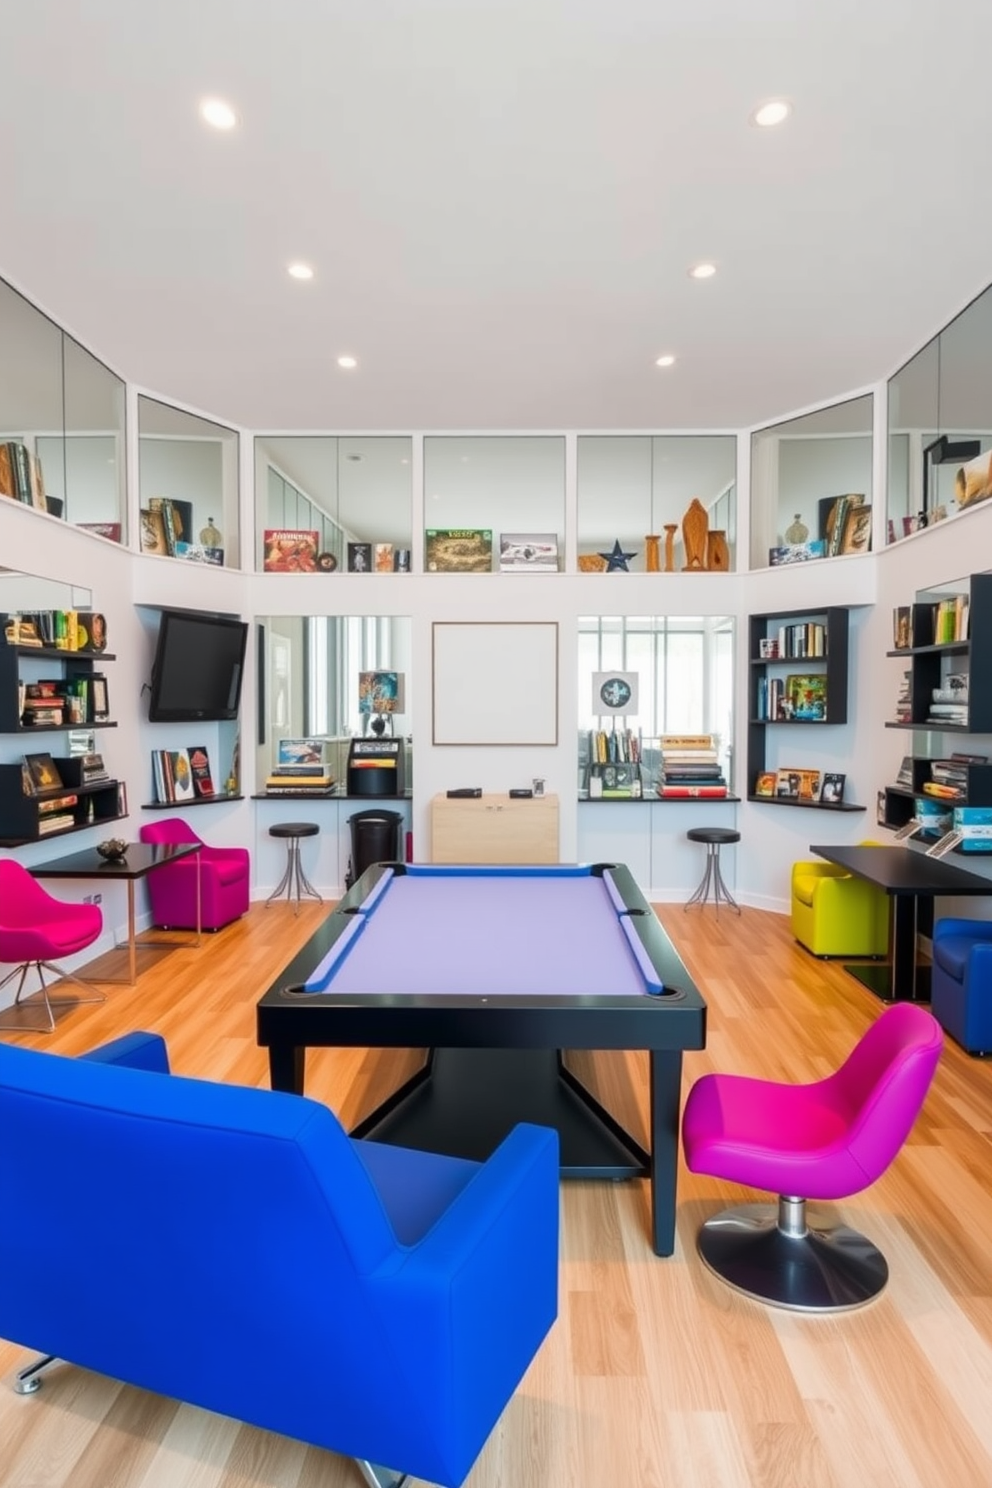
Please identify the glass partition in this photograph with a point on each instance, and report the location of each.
(811, 485)
(681, 672)
(940, 425)
(494, 502)
(326, 502)
(314, 682)
(61, 422)
(188, 485)
(638, 491)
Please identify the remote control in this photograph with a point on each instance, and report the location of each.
(472, 791)
(521, 795)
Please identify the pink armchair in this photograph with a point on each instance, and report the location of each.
(225, 876)
(35, 928)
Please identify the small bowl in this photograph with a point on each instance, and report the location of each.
(113, 850)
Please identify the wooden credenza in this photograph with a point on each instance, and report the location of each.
(494, 829)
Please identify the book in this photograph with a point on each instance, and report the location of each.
(110, 530)
(152, 532)
(902, 627)
(43, 772)
(297, 754)
(91, 631)
(359, 557)
(199, 764)
(797, 552)
(181, 774)
(832, 789)
(382, 557)
(199, 553)
(459, 550)
(289, 550)
(529, 552)
(401, 560)
(765, 783)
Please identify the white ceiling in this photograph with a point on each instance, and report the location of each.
(500, 199)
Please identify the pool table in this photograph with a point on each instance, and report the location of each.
(496, 970)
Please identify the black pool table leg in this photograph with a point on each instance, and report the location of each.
(286, 1067)
(666, 1092)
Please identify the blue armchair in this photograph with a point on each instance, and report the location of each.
(961, 982)
(234, 1248)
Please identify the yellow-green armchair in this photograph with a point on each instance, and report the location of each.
(835, 913)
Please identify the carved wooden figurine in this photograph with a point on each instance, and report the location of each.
(694, 528)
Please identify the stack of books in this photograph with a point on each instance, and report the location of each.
(300, 767)
(690, 767)
(904, 700)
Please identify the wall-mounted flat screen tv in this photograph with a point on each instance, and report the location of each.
(199, 664)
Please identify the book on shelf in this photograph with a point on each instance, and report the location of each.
(60, 822)
(832, 789)
(806, 697)
(798, 785)
(382, 557)
(691, 792)
(199, 553)
(279, 784)
(459, 550)
(54, 804)
(359, 557)
(975, 826)
(199, 764)
(289, 550)
(950, 620)
(528, 552)
(902, 627)
(766, 783)
(43, 772)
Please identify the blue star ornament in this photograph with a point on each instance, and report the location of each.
(616, 562)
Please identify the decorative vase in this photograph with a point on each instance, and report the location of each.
(694, 527)
(670, 530)
(652, 554)
(210, 536)
(798, 532)
(717, 551)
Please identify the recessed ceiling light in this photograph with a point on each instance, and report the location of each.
(347, 362)
(300, 271)
(216, 112)
(355, 459)
(665, 361)
(775, 111)
(702, 271)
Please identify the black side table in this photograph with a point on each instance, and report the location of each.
(294, 882)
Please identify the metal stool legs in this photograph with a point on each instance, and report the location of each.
(294, 881)
(49, 1002)
(713, 879)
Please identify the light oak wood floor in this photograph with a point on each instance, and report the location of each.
(654, 1374)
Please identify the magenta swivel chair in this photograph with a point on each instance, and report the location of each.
(35, 928)
(825, 1140)
(224, 880)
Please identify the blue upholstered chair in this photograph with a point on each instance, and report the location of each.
(961, 982)
(234, 1248)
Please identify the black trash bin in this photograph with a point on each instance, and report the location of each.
(375, 838)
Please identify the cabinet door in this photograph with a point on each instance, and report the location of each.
(494, 829)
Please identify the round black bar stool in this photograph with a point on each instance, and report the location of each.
(715, 838)
(294, 881)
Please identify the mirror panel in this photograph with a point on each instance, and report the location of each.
(633, 486)
(188, 485)
(507, 485)
(345, 489)
(31, 408)
(310, 682)
(811, 485)
(94, 462)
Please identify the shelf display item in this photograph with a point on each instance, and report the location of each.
(695, 525)
(616, 559)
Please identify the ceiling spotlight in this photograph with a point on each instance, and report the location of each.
(775, 111)
(665, 361)
(702, 271)
(347, 362)
(355, 459)
(216, 112)
(300, 271)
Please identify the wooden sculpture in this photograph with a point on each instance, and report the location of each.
(652, 555)
(670, 530)
(717, 551)
(694, 528)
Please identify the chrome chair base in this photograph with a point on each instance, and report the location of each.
(380, 1477)
(779, 1257)
(49, 1002)
(713, 880)
(28, 1381)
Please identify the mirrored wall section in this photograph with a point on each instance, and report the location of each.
(662, 503)
(940, 425)
(61, 422)
(811, 486)
(494, 504)
(328, 680)
(674, 675)
(327, 503)
(188, 485)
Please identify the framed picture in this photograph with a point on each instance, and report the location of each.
(902, 628)
(857, 530)
(768, 648)
(832, 790)
(459, 550)
(765, 783)
(787, 785)
(809, 785)
(98, 695)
